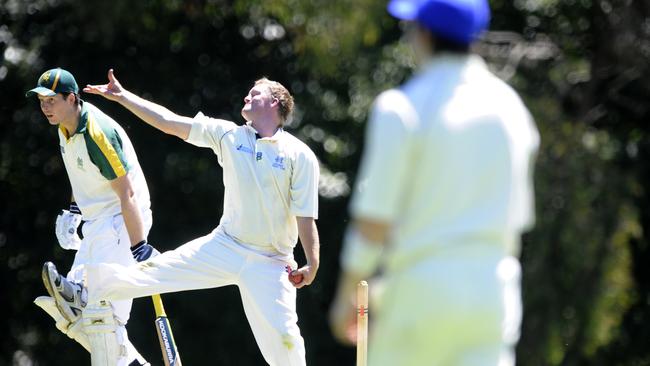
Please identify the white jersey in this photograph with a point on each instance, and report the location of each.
(448, 160)
(268, 183)
(98, 152)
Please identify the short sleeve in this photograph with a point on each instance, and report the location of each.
(104, 146)
(304, 186)
(208, 132)
(384, 169)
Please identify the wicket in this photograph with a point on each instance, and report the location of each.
(362, 323)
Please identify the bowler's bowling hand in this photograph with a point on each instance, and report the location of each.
(305, 274)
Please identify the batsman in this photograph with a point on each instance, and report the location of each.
(110, 194)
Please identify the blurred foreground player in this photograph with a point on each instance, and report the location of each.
(442, 198)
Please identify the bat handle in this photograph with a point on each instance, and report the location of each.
(158, 305)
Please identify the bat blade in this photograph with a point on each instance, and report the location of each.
(170, 354)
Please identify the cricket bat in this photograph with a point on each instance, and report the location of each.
(165, 336)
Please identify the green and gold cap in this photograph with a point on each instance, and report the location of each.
(54, 81)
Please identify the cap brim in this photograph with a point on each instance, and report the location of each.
(403, 9)
(45, 92)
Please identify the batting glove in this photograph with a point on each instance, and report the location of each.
(66, 226)
(143, 251)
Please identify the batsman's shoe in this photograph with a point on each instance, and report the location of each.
(69, 296)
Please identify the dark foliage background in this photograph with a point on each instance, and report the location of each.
(581, 66)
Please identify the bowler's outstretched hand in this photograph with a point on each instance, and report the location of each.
(112, 91)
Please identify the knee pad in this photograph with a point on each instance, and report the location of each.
(74, 330)
(48, 304)
(106, 344)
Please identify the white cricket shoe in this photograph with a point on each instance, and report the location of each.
(69, 296)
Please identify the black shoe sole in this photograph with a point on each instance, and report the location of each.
(50, 290)
(46, 279)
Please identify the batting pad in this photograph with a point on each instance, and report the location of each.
(73, 331)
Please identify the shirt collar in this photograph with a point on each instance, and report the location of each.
(450, 59)
(83, 118)
(276, 136)
(83, 121)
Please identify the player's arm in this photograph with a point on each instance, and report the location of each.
(152, 113)
(373, 230)
(370, 232)
(128, 202)
(364, 243)
(379, 191)
(308, 234)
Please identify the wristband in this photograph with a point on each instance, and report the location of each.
(360, 255)
(74, 208)
(140, 243)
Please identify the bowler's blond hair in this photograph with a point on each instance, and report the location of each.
(281, 93)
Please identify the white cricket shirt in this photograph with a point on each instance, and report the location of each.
(98, 152)
(448, 160)
(268, 183)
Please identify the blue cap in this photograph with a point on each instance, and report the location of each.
(460, 21)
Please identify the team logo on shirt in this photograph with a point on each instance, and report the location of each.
(245, 149)
(80, 164)
(279, 162)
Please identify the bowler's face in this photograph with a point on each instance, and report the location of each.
(55, 108)
(257, 102)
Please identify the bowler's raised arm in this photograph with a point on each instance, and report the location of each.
(152, 113)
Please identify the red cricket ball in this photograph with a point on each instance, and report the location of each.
(295, 278)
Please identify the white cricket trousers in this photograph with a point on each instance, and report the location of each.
(216, 260)
(458, 309)
(106, 240)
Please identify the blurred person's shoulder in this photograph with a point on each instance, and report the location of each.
(394, 106)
